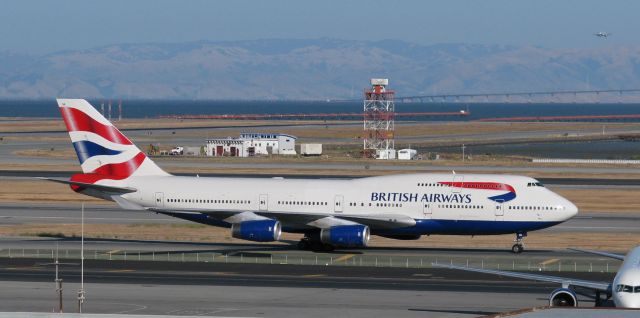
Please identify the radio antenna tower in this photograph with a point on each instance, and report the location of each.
(109, 110)
(120, 110)
(379, 120)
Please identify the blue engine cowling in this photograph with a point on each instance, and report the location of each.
(563, 297)
(257, 231)
(346, 236)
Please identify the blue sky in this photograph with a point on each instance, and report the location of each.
(39, 27)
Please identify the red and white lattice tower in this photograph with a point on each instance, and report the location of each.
(379, 120)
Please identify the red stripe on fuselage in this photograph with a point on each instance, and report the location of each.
(77, 120)
(481, 185)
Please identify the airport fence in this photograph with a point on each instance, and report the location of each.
(325, 259)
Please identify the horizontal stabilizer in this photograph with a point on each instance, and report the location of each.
(98, 187)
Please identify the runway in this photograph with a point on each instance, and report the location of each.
(192, 278)
(270, 290)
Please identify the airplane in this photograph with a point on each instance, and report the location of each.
(330, 213)
(604, 35)
(625, 287)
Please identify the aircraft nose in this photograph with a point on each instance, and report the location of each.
(571, 209)
(629, 302)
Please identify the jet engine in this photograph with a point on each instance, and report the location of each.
(257, 230)
(346, 236)
(563, 297)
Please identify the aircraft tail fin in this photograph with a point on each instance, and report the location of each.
(103, 151)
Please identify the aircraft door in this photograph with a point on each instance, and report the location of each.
(159, 199)
(338, 202)
(458, 181)
(427, 210)
(499, 209)
(264, 202)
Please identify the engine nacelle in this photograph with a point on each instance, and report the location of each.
(346, 236)
(257, 231)
(563, 297)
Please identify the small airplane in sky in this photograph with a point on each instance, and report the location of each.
(604, 35)
(625, 287)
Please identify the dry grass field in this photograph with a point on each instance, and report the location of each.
(322, 129)
(40, 191)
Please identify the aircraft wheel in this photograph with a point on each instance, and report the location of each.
(517, 248)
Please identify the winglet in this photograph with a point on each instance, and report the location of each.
(605, 254)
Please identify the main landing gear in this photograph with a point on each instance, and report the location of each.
(518, 247)
(599, 301)
(309, 243)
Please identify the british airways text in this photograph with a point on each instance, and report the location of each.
(426, 197)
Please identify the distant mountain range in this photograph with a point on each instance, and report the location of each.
(310, 69)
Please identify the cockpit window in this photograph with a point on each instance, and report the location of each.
(627, 289)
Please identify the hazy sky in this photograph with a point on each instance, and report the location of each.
(45, 26)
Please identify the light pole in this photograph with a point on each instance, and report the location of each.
(463, 147)
(81, 291)
(58, 281)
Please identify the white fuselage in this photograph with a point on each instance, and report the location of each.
(626, 284)
(422, 197)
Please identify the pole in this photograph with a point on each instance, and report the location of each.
(463, 152)
(58, 281)
(81, 291)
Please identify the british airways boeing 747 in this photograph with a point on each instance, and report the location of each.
(330, 213)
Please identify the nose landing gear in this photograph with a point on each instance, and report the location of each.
(518, 247)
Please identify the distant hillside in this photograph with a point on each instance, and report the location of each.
(309, 69)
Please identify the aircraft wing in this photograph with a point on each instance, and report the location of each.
(605, 254)
(565, 281)
(300, 219)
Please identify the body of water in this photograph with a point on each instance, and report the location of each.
(149, 108)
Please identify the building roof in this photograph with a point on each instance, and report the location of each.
(265, 135)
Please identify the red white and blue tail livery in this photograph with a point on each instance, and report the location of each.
(329, 213)
(105, 154)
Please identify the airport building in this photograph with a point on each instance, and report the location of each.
(252, 144)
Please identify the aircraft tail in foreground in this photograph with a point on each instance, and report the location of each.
(103, 151)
